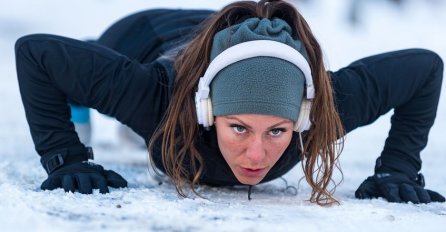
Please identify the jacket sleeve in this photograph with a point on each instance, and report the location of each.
(407, 81)
(53, 70)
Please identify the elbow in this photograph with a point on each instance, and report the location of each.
(27, 39)
(28, 56)
(22, 50)
(21, 45)
(30, 46)
(23, 55)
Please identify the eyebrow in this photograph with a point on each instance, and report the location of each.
(247, 126)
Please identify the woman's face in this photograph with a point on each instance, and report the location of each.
(251, 143)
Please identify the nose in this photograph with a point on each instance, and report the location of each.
(255, 151)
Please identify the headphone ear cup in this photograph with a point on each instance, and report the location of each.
(209, 112)
(204, 112)
(205, 115)
(303, 121)
(198, 110)
(201, 108)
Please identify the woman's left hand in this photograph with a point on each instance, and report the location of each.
(397, 187)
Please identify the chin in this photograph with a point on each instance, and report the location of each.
(249, 180)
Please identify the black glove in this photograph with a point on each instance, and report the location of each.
(397, 187)
(68, 169)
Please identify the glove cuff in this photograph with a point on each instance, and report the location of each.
(389, 164)
(57, 158)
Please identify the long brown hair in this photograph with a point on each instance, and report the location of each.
(179, 135)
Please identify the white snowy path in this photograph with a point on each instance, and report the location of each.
(147, 206)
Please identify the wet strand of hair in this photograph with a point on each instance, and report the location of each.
(288, 187)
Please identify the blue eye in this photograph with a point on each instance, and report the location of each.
(238, 129)
(277, 131)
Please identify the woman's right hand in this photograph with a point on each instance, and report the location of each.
(83, 177)
(70, 169)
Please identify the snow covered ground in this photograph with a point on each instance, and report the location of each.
(147, 206)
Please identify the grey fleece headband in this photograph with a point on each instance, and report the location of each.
(259, 85)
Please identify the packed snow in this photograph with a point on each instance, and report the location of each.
(148, 206)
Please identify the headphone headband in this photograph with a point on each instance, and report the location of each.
(252, 49)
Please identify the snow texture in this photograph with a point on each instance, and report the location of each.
(147, 206)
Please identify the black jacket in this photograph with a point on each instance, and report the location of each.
(124, 75)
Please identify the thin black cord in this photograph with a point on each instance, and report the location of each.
(249, 192)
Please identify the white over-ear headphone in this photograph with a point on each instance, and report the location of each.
(247, 50)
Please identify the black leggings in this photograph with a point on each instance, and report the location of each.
(146, 35)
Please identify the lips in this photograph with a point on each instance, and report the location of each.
(252, 172)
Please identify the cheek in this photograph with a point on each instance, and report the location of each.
(230, 146)
(276, 148)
